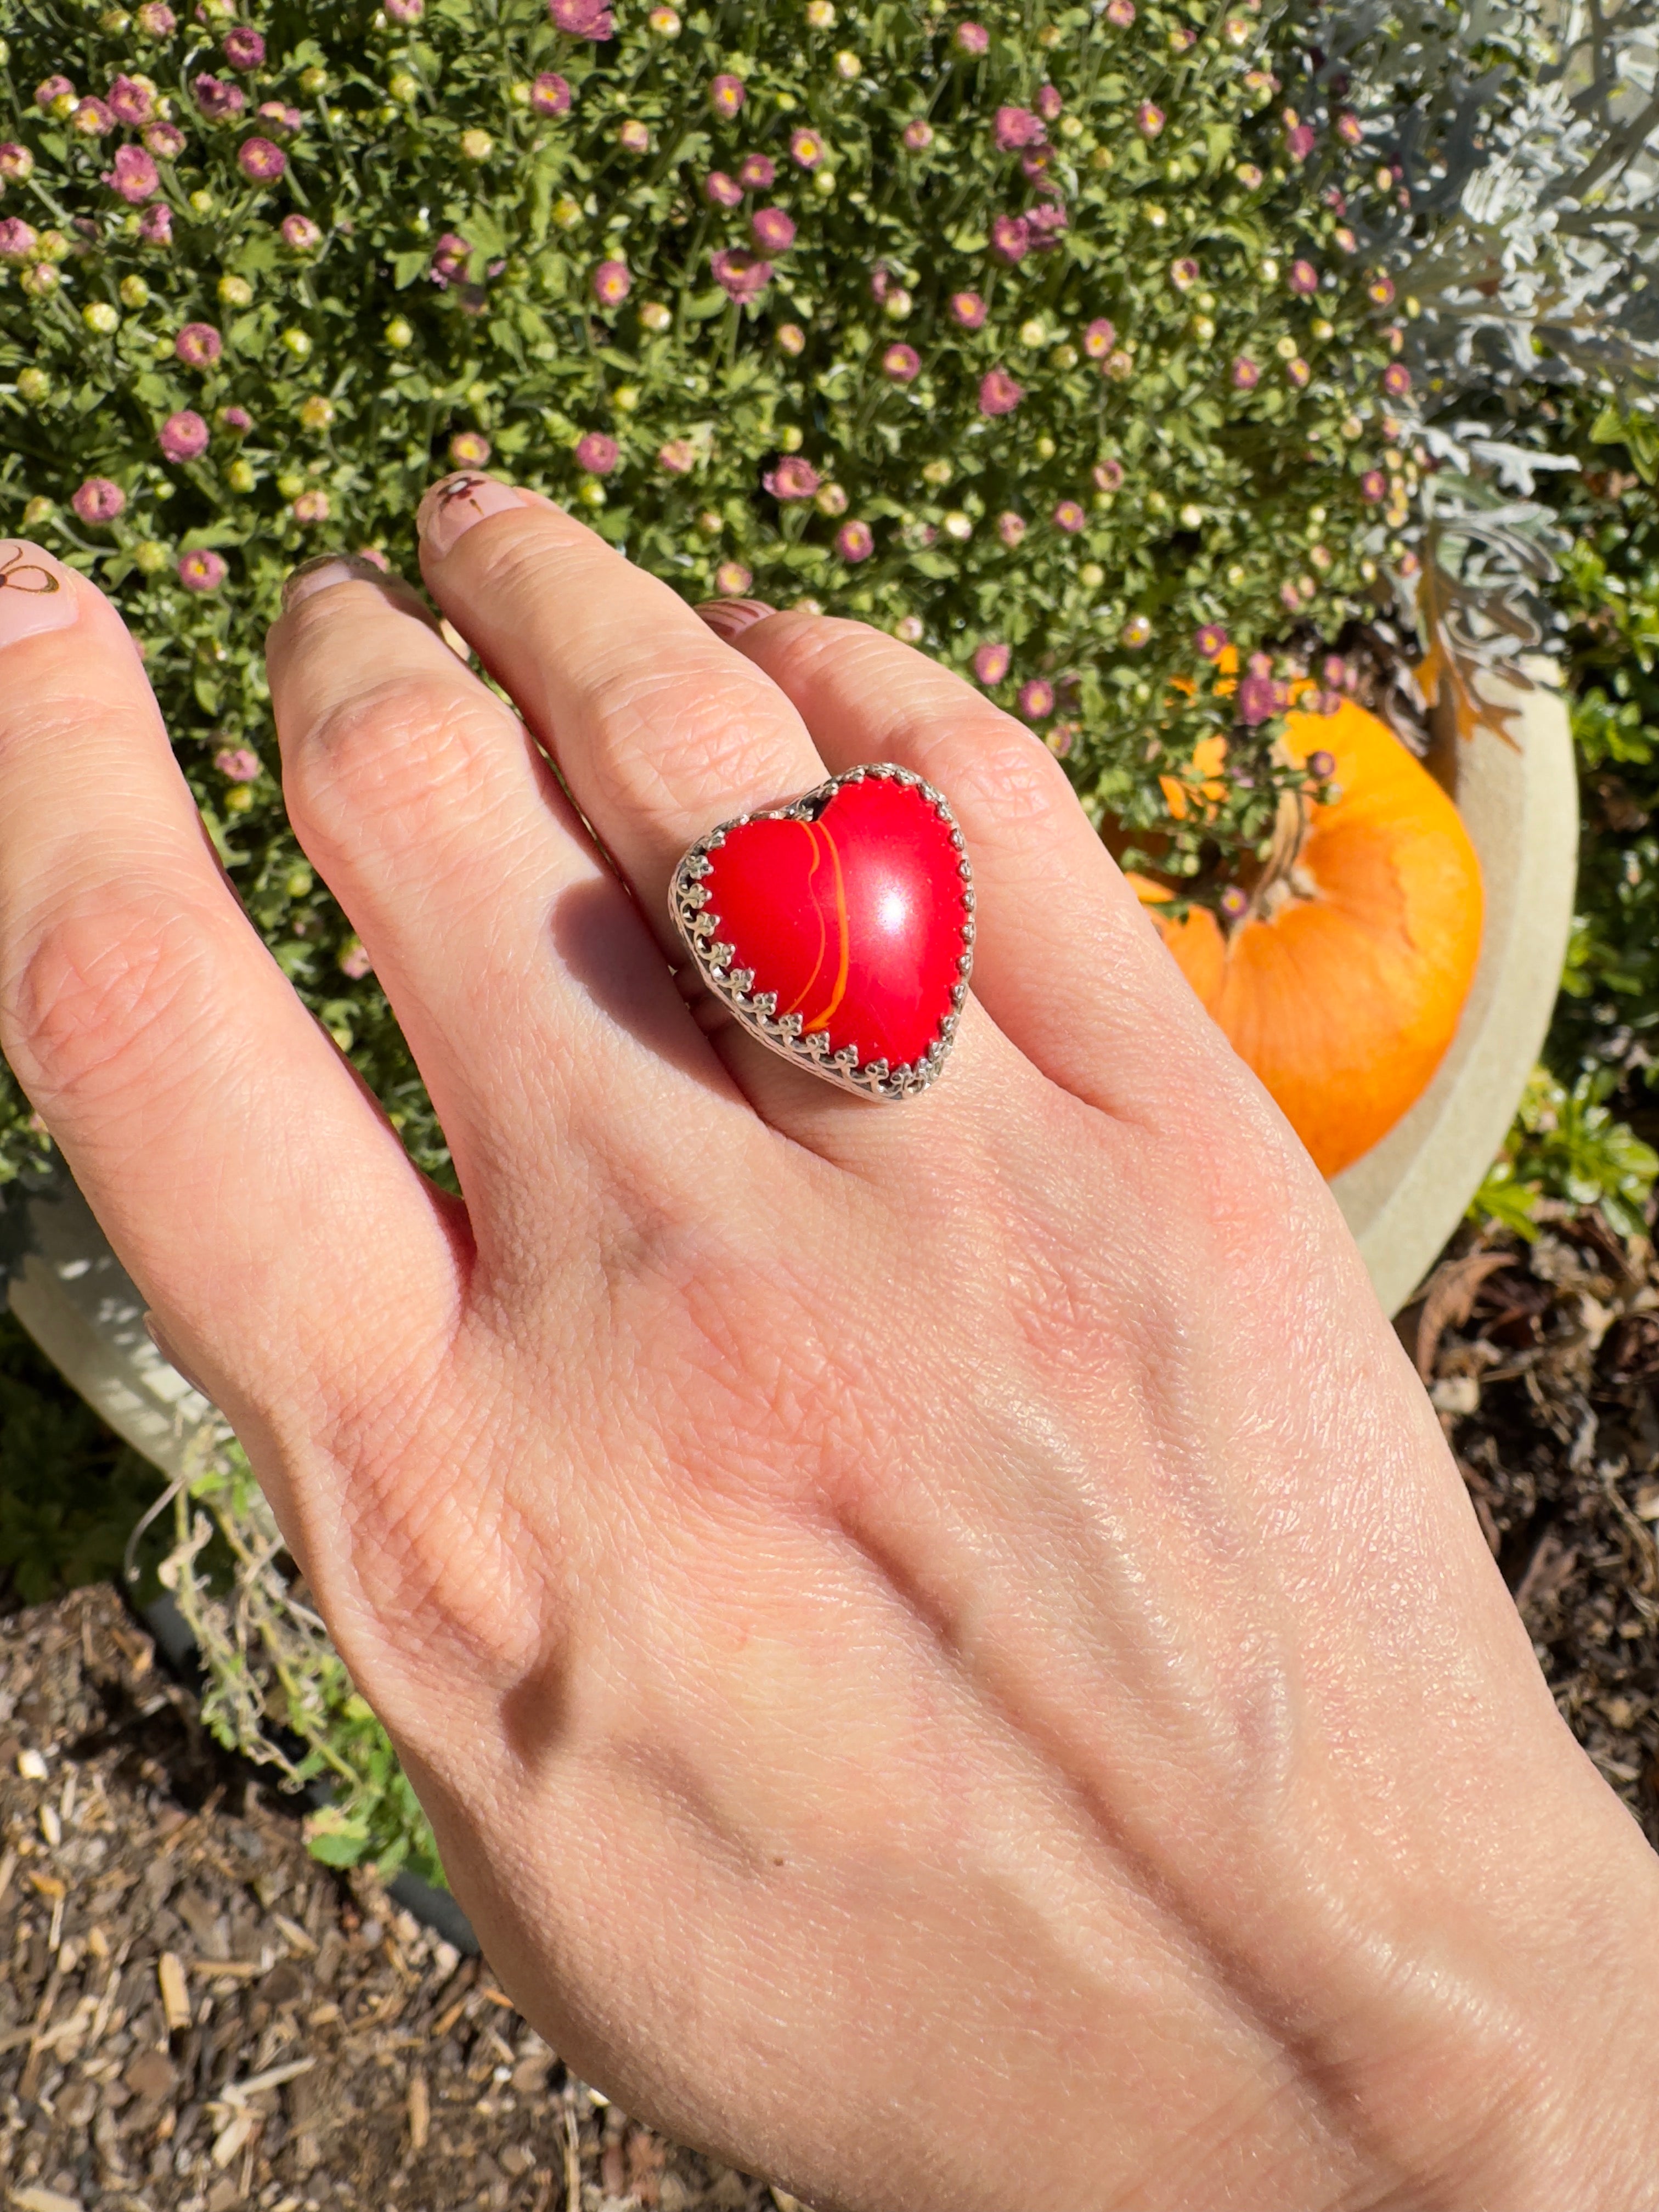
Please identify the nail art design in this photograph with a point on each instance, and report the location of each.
(15, 569)
(455, 504)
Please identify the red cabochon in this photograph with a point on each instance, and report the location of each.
(855, 921)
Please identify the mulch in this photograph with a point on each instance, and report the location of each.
(198, 2016)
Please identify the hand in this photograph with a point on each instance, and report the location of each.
(945, 1650)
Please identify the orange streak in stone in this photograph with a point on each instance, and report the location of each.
(836, 997)
(811, 828)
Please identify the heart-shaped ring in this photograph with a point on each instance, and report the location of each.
(838, 929)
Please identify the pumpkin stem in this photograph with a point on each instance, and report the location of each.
(1277, 880)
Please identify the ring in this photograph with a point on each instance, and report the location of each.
(839, 929)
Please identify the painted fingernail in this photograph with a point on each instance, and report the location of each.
(152, 1330)
(36, 594)
(454, 505)
(729, 618)
(329, 568)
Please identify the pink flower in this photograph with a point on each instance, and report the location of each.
(740, 274)
(1046, 222)
(156, 20)
(727, 94)
(236, 419)
(1037, 699)
(1300, 140)
(596, 455)
(1107, 474)
(1380, 291)
(793, 478)
(854, 541)
(310, 507)
(1304, 279)
(1016, 127)
(183, 436)
(1149, 119)
(1343, 240)
(245, 49)
(721, 190)
(918, 135)
(237, 763)
(1348, 130)
(999, 394)
(1069, 517)
(549, 94)
(1184, 273)
(469, 449)
(1211, 641)
(1010, 237)
(1396, 380)
(261, 161)
(1011, 528)
(901, 364)
(972, 38)
(1245, 374)
(1250, 176)
(758, 172)
(733, 579)
(198, 345)
(1120, 13)
(202, 572)
(612, 283)
(98, 500)
(53, 88)
(165, 140)
(1321, 765)
(132, 102)
(404, 11)
(806, 149)
(635, 138)
(217, 100)
(1374, 485)
(991, 664)
(1258, 699)
(16, 161)
(281, 117)
(300, 234)
(1049, 102)
(449, 259)
(353, 960)
(1298, 371)
(678, 458)
(155, 225)
(1099, 338)
(135, 176)
(18, 239)
(581, 19)
(94, 118)
(772, 230)
(966, 310)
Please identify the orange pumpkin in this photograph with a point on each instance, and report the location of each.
(1343, 984)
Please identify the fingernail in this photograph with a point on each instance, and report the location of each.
(729, 618)
(153, 1331)
(35, 592)
(454, 505)
(328, 568)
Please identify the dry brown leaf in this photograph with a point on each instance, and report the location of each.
(1449, 1300)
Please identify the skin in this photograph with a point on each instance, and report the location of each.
(945, 1652)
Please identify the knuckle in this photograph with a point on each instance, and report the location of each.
(395, 766)
(701, 747)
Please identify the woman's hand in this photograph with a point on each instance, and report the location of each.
(946, 1655)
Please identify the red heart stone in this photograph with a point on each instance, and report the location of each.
(854, 913)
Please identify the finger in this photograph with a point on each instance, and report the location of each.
(540, 1013)
(1065, 961)
(265, 1209)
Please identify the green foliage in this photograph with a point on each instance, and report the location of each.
(459, 295)
(1566, 1145)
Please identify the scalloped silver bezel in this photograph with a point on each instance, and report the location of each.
(688, 903)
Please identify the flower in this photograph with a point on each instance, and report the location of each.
(183, 436)
(1244, 373)
(165, 140)
(633, 137)
(806, 149)
(202, 572)
(469, 449)
(1298, 371)
(793, 478)
(404, 11)
(93, 118)
(1304, 279)
(1010, 237)
(1099, 338)
(1184, 273)
(1069, 517)
(245, 49)
(98, 500)
(156, 20)
(1322, 764)
(918, 135)
(847, 65)
(52, 89)
(772, 230)
(449, 259)
(301, 234)
(831, 500)
(758, 172)
(733, 579)
(1348, 129)
(1136, 632)
(156, 225)
(1016, 127)
(901, 364)
(1396, 380)
(1011, 528)
(237, 763)
(999, 394)
(991, 664)
(353, 960)
(1107, 474)
(679, 457)
(665, 22)
(1345, 239)
(727, 94)
(217, 100)
(790, 339)
(478, 145)
(310, 507)
(1120, 13)
(1258, 699)
(236, 419)
(1300, 141)
(612, 283)
(968, 310)
(1235, 902)
(1046, 221)
(971, 39)
(16, 161)
(581, 19)
(1374, 485)
(596, 455)
(198, 345)
(740, 274)
(261, 161)
(1049, 102)
(550, 93)
(132, 101)
(1149, 119)
(721, 190)
(1210, 641)
(1037, 699)
(854, 541)
(135, 176)
(1380, 291)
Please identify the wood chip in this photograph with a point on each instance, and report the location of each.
(420, 2110)
(296, 1935)
(34, 2199)
(47, 1884)
(175, 1997)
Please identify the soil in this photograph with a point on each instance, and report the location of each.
(197, 2015)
